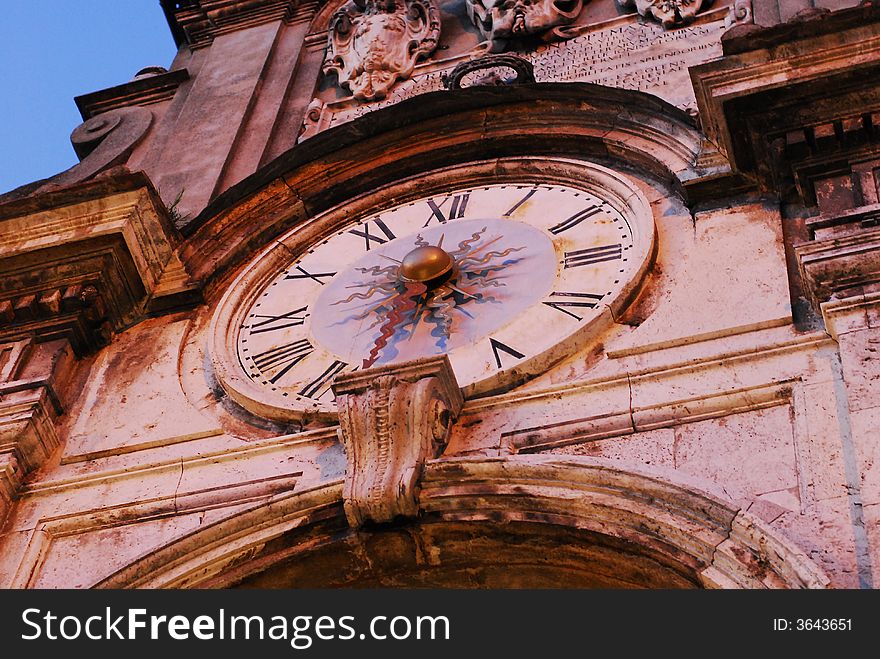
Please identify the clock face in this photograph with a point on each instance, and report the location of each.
(505, 279)
(505, 275)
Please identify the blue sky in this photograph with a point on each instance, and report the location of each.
(54, 50)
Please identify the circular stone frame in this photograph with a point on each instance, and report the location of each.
(618, 191)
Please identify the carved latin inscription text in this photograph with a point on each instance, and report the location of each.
(374, 43)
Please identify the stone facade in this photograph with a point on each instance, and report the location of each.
(716, 427)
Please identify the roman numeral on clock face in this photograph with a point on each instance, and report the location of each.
(520, 202)
(321, 385)
(592, 255)
(575, 219)
(565, 301)
(498, 346)
(456, 210)
(304, 274)
(269, 323)
(285, 357)
(374, 237)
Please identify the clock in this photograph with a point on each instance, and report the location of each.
(505, 274)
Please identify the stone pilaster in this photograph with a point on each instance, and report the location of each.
(841, 269)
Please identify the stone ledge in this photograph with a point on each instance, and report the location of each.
(82, 262)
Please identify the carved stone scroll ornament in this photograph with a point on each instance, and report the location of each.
(670, 13)
(392, 419)
(374, 43)
(501, 21)
(311, 124)
(102, 142)
(740, 13)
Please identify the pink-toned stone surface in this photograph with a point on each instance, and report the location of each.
(62, 565)
(702, 286)
(866, 438)
(860, 358)
(821, 466)
(654, 447)
(133, 396)
(872, 526)
(826, 534)
(753, 452)
(704, 379)
(215, 109)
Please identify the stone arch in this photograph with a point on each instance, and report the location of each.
(612, 524)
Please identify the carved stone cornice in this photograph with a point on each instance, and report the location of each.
(80, 262)
(143, 90)
(845, 260)
(198, 22)
(790, 103)
(32, 380)
(392, 419)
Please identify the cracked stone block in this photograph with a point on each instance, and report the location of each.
(752, 452)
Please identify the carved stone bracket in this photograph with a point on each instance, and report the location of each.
(392, 419)
(492, 70)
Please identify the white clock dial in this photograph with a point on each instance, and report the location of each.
(506, 274)
(494, 276)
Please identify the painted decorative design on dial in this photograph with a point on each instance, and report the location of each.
(412, 298)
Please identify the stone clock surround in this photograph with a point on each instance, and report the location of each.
(210, 466)
(619, 192)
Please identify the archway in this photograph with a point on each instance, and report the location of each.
(517, 521)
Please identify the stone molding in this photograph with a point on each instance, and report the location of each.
(853, 314)
(138, 92)
(723, 545)
(198, 22)
(841, 267)
(825, 68)
(392, 419)
(625, 421)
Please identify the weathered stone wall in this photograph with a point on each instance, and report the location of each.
(703, 379)
(707, 433)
